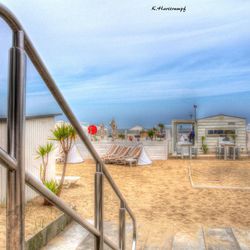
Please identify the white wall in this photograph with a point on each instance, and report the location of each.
(248, 141)
(37, 132)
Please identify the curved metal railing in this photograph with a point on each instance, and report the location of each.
(101, 169)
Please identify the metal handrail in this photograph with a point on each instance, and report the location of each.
(15, 25)
(32, 181)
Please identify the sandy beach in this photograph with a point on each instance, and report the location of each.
(161, 197)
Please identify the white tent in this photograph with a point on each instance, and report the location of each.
(144, 158)
(137, 128)
(74, 155)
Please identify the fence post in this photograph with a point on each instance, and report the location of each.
(99, 206)
(122, 226)
(15, 144)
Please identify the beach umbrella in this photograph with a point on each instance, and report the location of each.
(92, 129)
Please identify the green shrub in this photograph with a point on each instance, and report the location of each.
(151, 133)
(52, 185)
(204, 146)
(233, 136)
(121, 136)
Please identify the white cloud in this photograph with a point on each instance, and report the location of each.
(112, 50)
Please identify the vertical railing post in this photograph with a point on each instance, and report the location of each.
(15, 143)
(99, 206)
(122, 226)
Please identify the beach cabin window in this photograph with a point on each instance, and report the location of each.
(183, 132)
(220, 132)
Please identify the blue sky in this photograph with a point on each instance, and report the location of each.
(123, 60)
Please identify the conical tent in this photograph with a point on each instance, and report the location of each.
(74, 155)
(144, 158)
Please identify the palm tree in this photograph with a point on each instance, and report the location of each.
(155, 130)
(65, 134)
(151, 133)
(43, 153)
(162, 128)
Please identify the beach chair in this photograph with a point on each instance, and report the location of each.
(114, 149)
(132, 157)
(120, 149)
(217, 152)
(110, 150)
(178, 152)
(237, 153)
(194, 152)
(120, 154)
(220, 152)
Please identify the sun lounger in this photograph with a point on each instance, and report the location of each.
(132, 157)
(116, 152)
(121, 154)
(178, 152)
(111, 151)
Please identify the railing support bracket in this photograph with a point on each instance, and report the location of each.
(99, 206)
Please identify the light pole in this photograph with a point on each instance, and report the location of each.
(195, 107)
(195, 124)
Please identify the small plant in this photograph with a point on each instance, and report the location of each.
(121, 136)
(204, 146)
(43, 152)
(161, 132)
(233, 136)
(154, 129)
(65, 134)
(151, 133)
(53, 186)
(162, 127)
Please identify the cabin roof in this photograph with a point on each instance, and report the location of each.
(30, 117)
(222, 115)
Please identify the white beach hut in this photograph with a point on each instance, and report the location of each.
(214, 129)
(38, 130)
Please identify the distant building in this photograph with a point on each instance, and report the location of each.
(137, 128)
